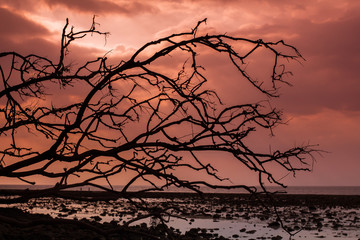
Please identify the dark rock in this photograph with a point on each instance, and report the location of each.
(274, 225)
(312, 208)
(251, 231)
(96, 218)
(216, 216)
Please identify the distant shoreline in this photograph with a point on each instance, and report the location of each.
(352, 201)
(292, 190)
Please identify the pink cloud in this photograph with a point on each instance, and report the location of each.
(103, 6)
(323, 102)
(16, 27)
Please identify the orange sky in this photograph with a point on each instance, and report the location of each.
(323, 104)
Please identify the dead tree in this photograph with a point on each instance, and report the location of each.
(136, 119)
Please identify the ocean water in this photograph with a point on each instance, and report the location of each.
(316, 190)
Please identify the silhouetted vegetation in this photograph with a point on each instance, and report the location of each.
(136, 118)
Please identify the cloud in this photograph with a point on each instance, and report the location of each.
(326, 88)
(18, 5)
(24, 36)
(329, 77)
(96, 7)
(337, 133)
(328, 41)
(16, 27)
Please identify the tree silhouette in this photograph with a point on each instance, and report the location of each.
(135, 118)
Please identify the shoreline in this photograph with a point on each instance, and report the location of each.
(329, 216)
(281, 199)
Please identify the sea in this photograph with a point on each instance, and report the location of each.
(310, 190)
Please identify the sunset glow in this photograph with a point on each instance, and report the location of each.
(322, 107)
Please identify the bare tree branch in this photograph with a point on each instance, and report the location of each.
(136, 120)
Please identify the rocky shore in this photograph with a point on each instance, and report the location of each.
(316, 216)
